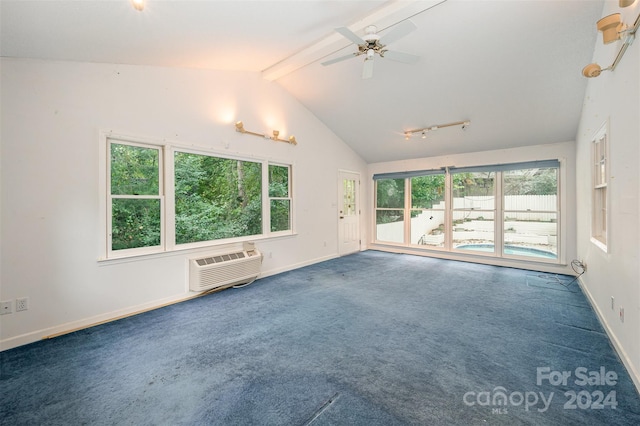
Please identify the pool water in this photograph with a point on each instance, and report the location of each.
(515, 250)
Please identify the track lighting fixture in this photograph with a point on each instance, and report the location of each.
(423, 131)
(613, 29)
(274, 137)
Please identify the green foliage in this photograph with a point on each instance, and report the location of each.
(427, 191)
(280, 215)
(216, 198)
(278, 181)
(473, 184)
(389, 195)
(280, 209)
(135, 223)
(134, 170)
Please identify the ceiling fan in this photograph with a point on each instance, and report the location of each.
(372, 44)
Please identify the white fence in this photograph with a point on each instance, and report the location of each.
(534, 222)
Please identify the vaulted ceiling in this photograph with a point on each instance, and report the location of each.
(512, 68)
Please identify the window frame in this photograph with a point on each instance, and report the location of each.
(110, 197)
(493, 211)
(266, 219)
(166, 172)
(432, 211)
(403, 210)
(599, 170)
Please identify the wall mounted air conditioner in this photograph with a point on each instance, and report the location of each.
(225, 270)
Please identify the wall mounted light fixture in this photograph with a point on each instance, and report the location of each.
(613, 29)
(423, 131)
(274, 137)
(138, 4)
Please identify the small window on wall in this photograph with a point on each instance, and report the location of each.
(280, 197)
(390, 210)
(599, 172)
(135, 198)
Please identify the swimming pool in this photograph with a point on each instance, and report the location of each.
(508, 249)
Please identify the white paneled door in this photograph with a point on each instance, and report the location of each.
(348, 212)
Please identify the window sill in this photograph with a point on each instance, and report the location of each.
(602, 246)
(218, 247)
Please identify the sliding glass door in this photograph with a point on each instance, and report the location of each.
(505, 210)
(428, 210)
(390, 210)
(530, 217)
(474, 207)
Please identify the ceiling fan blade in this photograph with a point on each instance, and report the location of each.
(399, 31)
(406, 58)
(367, 69)
(350, 35)
(341, 58)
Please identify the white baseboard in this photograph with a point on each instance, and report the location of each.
(275, 271)
(70, 327)
(633, 372)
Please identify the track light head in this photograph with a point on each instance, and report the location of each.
(592, 70)
(611, 26)
(239, 127)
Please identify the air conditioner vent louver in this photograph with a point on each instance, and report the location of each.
(219, 259)
(224, 270)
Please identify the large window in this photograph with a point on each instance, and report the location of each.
(216, 198)
(161, 198)
(507, 210)
(599, 174)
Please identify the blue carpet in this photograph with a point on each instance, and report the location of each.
(368, 339)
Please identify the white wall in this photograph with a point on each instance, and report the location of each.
(52, 113)
(564, 151)
(614, 96)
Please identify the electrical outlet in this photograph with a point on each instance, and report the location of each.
(612, 303)
(621, 314)
(6, 307)
(22, 304)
